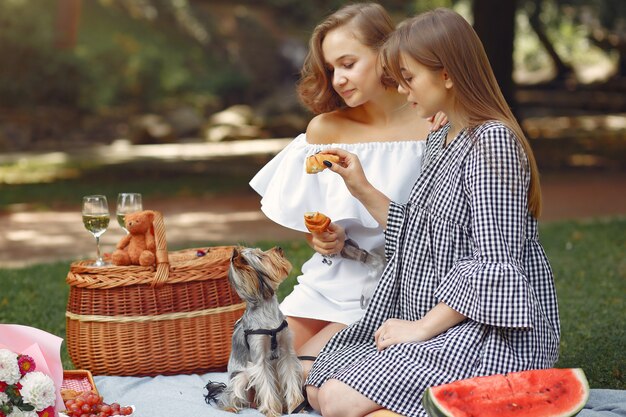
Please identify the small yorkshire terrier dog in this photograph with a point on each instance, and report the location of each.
(263, 368)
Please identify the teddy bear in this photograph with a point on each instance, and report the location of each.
(138, 247)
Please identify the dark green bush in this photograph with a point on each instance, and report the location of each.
(33, 72)
(118, 60)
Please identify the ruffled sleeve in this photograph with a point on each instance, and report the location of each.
(495, 294)
(288, 191)
(491, 286)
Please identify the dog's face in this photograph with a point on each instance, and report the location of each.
(255, 274)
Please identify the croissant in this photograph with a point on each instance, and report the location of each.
(316, 222)
(315, 162)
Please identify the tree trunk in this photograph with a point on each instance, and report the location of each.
(68, 16)
(563, 70)
(494, 22)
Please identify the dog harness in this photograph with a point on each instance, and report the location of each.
(269, 332)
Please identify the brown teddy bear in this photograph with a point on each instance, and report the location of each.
(138, 247)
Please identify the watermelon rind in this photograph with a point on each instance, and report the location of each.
(583, 380)
(435, 409)
(432, 406)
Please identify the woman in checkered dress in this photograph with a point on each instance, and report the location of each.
(468, 290)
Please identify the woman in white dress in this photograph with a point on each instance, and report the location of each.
(358, 109)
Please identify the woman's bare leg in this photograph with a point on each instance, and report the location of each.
(315, 344)
(336, 399)
(304, 329)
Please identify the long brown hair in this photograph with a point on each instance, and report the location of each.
(372, 25)
(441, 38)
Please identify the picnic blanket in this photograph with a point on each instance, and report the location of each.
(166, 396)
(183, 396)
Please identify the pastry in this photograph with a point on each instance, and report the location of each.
(316, 222)
(315, 162)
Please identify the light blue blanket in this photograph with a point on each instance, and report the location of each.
(183, 396)
(166, 396)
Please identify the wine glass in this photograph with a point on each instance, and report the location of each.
(96, 220)
(127, 203)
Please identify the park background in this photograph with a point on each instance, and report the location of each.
(184, 100)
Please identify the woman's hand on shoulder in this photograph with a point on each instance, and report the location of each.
(330, 241)
(437, 121)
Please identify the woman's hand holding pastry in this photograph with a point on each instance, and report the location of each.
(354, 177)
(328, 242)
(395, 331)
(350, 170)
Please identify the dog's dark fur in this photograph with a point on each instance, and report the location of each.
(258, 374)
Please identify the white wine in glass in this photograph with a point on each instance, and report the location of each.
(96, 220)
(127, 203)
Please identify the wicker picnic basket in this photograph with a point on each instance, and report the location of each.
(175, 318)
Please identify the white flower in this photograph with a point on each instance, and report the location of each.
(9, 369)
(19, 413)
(3, 398)
(38, 390)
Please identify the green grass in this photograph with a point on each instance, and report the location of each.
(589, 263)
(588, 259)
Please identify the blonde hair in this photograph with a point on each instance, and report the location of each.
(441, 38)
(372, 25)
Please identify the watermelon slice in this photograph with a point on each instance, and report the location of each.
(536, 393)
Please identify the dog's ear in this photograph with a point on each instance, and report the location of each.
(279, 264)
(237, 258)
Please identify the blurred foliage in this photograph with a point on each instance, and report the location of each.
(570, 39)
(424, 5)
(607, 14)
(145, 61)
(117, 60)
(141, 53)
(32, 71)
(605, 21)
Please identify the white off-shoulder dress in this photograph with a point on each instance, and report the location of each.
(330, 288)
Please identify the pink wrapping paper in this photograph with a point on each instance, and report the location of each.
(43, 347)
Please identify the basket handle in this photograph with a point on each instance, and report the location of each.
(162, 261)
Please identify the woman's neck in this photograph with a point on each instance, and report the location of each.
(384, 110)
(458, 122)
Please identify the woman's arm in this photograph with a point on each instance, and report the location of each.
(439, 319)
(354, 177)
(330, 241)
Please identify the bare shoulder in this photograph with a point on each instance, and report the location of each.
(325, 128)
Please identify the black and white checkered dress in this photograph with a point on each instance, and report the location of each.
(465, 238)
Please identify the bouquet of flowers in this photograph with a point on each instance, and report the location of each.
(21, 382)
(24, 391)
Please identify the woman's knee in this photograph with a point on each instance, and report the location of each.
(331, 398)
(323, 400)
